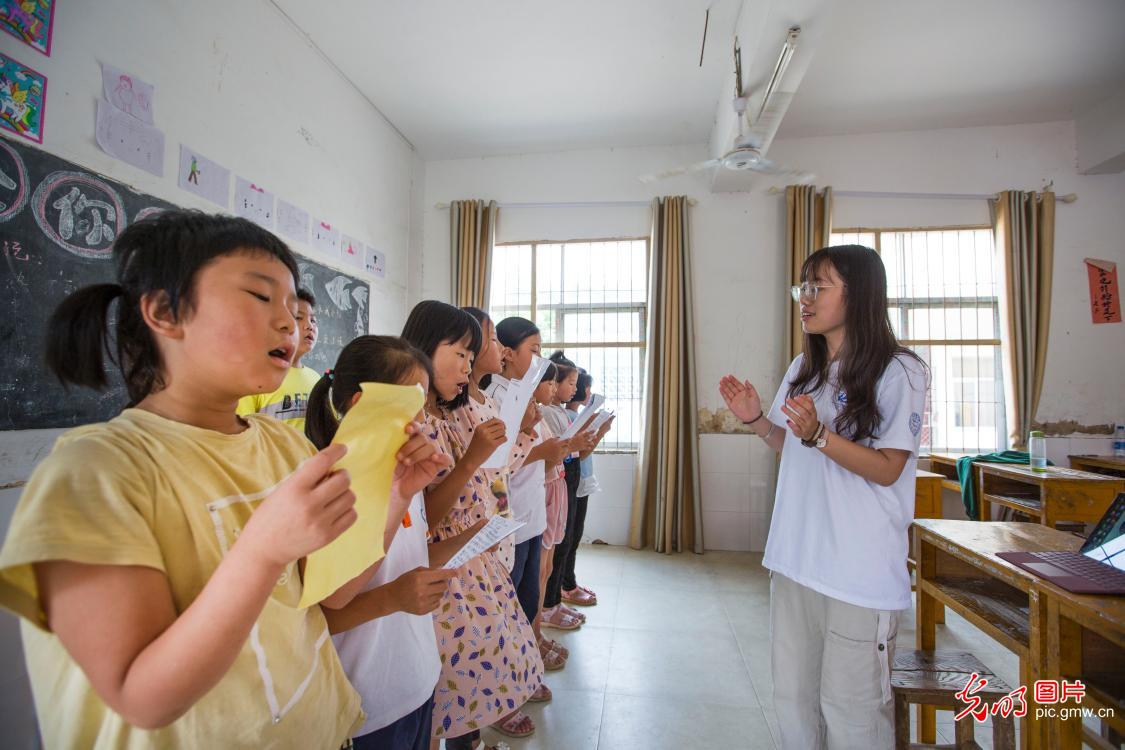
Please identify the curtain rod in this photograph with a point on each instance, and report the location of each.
(1068, 198)
(588, 204)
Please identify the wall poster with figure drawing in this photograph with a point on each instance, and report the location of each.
(23, 96)
(58, 223)
(30, 21)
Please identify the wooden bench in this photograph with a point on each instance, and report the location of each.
(933, 678)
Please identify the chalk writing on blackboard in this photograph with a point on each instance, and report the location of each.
(13, 185)
(79, 212)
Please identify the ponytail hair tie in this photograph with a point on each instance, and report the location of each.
(330, 375)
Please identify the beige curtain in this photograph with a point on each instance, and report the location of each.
(472, 233)
(808, 224)
(1024, 227)
(666, 509)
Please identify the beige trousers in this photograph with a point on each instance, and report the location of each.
(831, 670)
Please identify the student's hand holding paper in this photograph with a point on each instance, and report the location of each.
(419, 462)
(313, 506)
(583, 442)
(487, 437)
(531, 418)
(419, 591)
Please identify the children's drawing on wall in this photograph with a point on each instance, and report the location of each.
(375, 263)
(253, 202)
(30, 21)
(128, 93)
(79, 213)
(13, 182)
(352, 251)
(292, 222)
(23, 92)
(203, 177)
(325, 238)
(130, 140)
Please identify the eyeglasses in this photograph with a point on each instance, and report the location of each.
(809, 290)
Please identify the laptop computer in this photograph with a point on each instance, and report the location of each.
(1098, 568)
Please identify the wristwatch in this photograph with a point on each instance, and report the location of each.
(818, 440)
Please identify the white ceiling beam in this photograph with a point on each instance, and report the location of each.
(761, 29)
(1100, 135)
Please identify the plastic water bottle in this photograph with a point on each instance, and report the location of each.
(1119, 440)
(1037, 447)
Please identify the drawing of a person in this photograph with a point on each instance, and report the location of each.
(123, 94)
(193, 174)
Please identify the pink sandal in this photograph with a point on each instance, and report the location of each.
(542, 694)
(553, 661)
(559, 619)
(573, 613)
(579, 597)
(511, 725)
(556, 646)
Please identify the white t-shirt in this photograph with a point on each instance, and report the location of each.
(832, 530)
(527, 490)
(393, 661)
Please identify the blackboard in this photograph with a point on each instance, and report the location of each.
(58, 223)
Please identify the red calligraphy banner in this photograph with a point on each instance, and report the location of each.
(1105, 298)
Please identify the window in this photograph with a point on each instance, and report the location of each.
(942, 289)
(589, 298)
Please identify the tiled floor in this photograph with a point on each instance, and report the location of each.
(676, 654)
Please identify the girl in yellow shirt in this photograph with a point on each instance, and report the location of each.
(154, 557)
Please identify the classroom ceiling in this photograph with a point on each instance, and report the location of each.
(462, 79)
(508, 76)
(888, 65)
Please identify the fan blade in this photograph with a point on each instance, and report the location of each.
(697, 167)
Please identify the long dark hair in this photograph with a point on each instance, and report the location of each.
(481, 317)
(514, 330)
(869, 341)
(432, 323)
(582, 388)
(366, 359)
(564, 365)
(160, 255)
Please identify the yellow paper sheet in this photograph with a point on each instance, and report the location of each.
(374, 431)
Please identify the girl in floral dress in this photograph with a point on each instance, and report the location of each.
(490, 662)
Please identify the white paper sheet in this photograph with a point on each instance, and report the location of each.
(205, 178)
(602, 418)
(352, 251)
(375, 263)
(292, 222)
(128, 93)
(130, 140)
(513, 407)
(584, 415)
(325, 237)
(493, 532)
(253, 202)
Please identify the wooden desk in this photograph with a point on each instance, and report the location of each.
(958, 567)
(927, 504)
(1113, 466)
(1085, 641)
(1050, 496)
(945, 464)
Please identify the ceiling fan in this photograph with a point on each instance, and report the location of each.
(746, 152)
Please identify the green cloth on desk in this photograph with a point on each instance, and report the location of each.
(964, 474)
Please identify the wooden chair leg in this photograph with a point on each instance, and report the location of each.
(1003, 733)
(963, 733)
(902, 723)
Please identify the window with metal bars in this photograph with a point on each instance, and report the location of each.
(943, 302)
(590, 299)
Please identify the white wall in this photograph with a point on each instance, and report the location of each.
(238, 83)
(737, 244)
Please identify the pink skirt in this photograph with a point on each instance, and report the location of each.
(556, 513)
